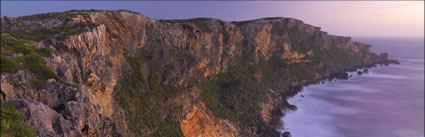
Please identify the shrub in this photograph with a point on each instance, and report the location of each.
(23, 46)
(20, 46)
(241, 23)
(235, 95)
(6, 39)
(11, 123)
(143, 101)
(40, 17)
(35, 63)
(45, 51)
(8, 65)
(60, 32)
(199, 22)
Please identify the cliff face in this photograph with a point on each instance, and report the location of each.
(123, 74)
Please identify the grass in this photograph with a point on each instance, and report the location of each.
(6, 39)
(43, 16)
(300, 71)
(271, 18)
(43, 34)
(235, 95)
(25, 23)
(31, 60)
(199, 22)
(12, 124)
(35, 64)
(242, 23)
(144, 100)
(46, 51)
(66, 15)
(8, 65)
(21, 46)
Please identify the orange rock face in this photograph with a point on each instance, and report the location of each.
(202, 123)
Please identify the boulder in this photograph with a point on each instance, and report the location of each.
(341, 75)
(394, 61)
(383, 56)
(292, 107)
(359, 73)
(366, 71)
(286, 134)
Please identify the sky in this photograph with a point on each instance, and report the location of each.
(346, 18)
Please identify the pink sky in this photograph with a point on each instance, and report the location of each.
(348, 18)
(360, 18)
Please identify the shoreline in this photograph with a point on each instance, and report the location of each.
(277, 113)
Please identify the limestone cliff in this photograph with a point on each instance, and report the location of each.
(124, 74)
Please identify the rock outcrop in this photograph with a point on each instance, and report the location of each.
(125, 74)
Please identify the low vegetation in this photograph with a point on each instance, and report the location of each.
(60, 32)
(8, 65)
(199, 22)
(12, 124)
(242, 23)
(145, 101)
(45, 51)
(31, 27)
(67, 15)
(29, 59)
(236, 95)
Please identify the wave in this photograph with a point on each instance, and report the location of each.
(413, 60)
(341, 87)
(419, 67)
(385, 76)
(409, 133)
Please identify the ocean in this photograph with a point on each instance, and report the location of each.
(386, 102)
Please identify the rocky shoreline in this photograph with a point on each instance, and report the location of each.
(120, 73)
(294, 90)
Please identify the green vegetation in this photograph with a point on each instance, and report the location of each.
(8, 65)
(170, 128)
(35, 63)
(300, 71)
(271, 18)
(147, 102)
(12, 124)
(21, 46)
(6, 39)
(45, 51)
(67, 15)
(31, 60)
(242, 23)
(236, 95)
(40, 17)
(144, 101)
(30, 28)
(199, 22)
(43, 33)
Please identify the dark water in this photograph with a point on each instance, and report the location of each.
(386, 102)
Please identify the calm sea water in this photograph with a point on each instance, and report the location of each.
(386, 102)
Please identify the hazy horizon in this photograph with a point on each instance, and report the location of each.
(349, 18)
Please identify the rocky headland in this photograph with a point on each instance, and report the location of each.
(119, 73)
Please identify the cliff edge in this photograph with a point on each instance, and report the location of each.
(119, 73)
